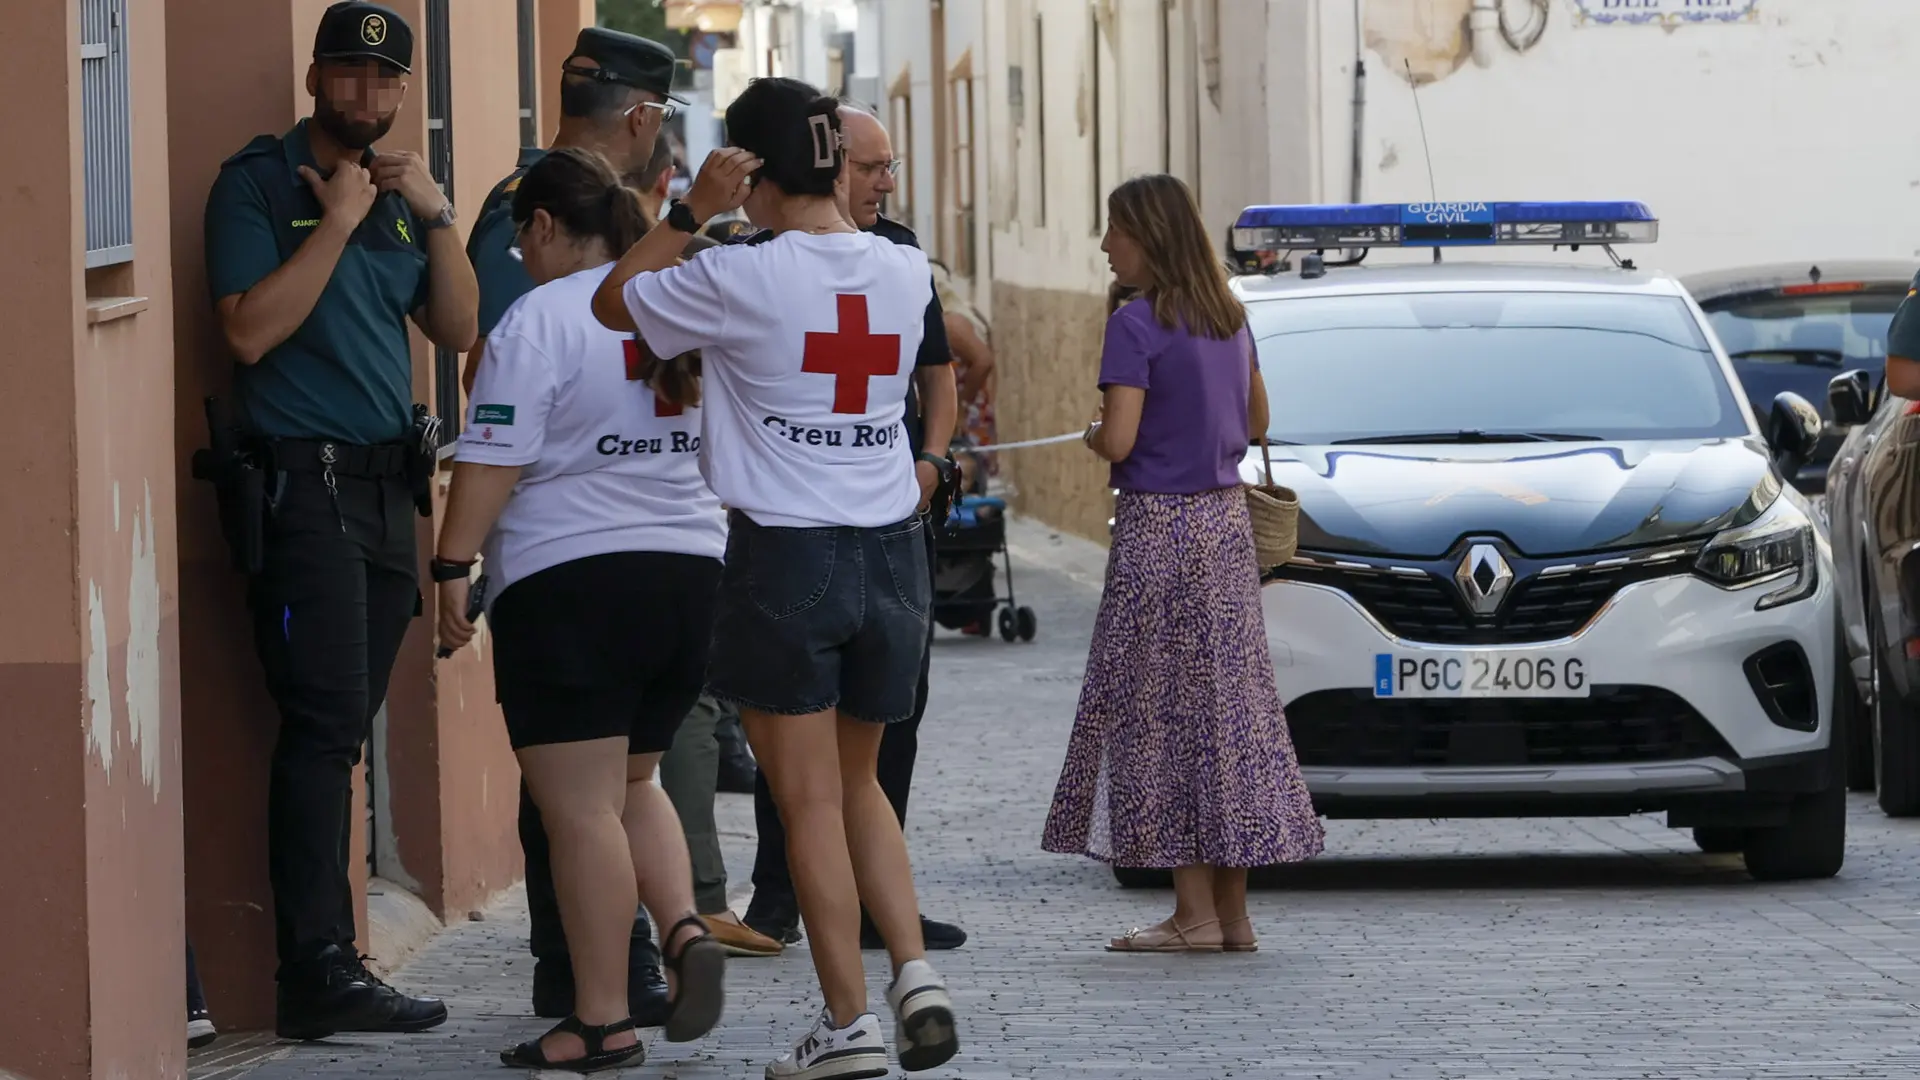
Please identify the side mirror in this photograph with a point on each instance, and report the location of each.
(1850, 398)
(1793, 430)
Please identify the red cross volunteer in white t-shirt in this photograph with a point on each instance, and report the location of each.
(578, 480)
(807, 345)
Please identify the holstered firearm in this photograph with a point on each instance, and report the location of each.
(239, 475)
(425, 459)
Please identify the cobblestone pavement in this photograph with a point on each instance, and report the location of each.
(1540, 949)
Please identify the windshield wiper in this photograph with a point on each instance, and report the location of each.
(1832, 358)
(1469, 436)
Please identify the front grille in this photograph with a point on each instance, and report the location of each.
(1616, 725)
(1419, 604)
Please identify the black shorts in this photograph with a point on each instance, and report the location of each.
(605, 646)
(816, 619)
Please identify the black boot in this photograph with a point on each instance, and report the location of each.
(646, 985)
(935, 935)
(335, 992)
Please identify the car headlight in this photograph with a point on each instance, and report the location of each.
(1776, 548)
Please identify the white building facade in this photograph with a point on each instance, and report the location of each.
(1758, 130)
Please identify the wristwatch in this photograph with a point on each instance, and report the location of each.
(447, 570)
(680, 216)
(441, 220)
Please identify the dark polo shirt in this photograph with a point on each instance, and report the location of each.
(502, 278)
(347, 373)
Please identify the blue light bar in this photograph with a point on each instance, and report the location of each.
(1371, 225)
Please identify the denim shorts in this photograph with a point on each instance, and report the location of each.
(816, 619)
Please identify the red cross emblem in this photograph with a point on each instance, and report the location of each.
(851, 354)
(636, 363)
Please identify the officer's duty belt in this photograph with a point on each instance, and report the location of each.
(345, 459)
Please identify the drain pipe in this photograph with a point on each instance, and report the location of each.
(1358, 167)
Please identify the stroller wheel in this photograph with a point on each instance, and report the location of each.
(1009, 629)
(1027, 623)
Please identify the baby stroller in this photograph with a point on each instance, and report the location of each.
(965, 597)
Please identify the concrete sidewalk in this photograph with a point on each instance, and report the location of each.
(1590, 949)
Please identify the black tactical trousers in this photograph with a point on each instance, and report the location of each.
(899, 746)
(330, 606)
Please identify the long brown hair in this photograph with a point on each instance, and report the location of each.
(1189, 283)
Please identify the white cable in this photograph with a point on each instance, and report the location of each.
(1071, 436)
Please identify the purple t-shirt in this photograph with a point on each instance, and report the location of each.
(1193, 427)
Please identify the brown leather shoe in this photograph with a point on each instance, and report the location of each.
(738, 938)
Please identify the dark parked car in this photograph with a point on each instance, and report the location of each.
(1795, 326)
(1873, 513)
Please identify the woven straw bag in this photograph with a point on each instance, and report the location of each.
(1275, 511)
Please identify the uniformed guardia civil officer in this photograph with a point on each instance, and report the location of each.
(615, 93)
(319, 249)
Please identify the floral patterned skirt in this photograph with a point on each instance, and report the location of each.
(1180, 752)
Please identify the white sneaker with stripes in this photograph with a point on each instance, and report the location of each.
(855, 1052)
(924, 1035)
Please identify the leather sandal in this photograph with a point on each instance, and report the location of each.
(1246, 946)
(531, 1055)
(700, 973)
(1153, 939)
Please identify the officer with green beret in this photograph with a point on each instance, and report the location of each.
(319, 249)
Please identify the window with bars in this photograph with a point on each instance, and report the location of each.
(529, 62)
(107, 131)
(446, 362)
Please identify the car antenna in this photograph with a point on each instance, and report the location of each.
(1432, 188)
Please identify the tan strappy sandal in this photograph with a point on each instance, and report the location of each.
(1152, 939)
(1249, 946)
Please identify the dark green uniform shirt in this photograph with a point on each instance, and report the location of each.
(502, 279)
(1903, 334)
(347, 373)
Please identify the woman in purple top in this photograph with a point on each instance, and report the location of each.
(1180, 757)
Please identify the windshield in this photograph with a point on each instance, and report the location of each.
(1577, 365)
(1838, 330)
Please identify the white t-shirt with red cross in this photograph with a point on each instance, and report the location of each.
(807, 344)
(605, 466)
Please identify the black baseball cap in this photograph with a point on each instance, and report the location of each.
(624, 58)
(355, 30)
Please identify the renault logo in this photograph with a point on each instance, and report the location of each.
(1484, 578)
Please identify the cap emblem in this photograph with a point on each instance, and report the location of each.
(373, 29)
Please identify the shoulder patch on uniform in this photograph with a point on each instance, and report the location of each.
(511, 186)
(258, 145)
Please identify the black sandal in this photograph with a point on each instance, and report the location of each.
(530, 1055)
(699, 993)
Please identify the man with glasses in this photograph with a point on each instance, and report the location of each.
(615, 95)
(319, 249)
(932, 409)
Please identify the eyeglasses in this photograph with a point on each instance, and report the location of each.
(668, 110)
(891, 168)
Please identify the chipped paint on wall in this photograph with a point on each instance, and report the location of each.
(99, 707)
(143, 647)
(1427, 36)
(142, 676)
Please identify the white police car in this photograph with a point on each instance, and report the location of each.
(1547, 565)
